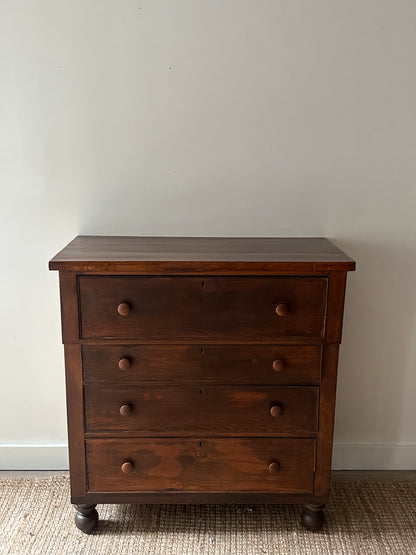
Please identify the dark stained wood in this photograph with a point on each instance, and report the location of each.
(198, 497)
(279, 365)
(75, 415)
(123, 309)
(201, 465)
(200, 254)
(207, 367)
(86, 518)
(276, 411)
(125, 410)
(209, 411)
(206, 341)
(69, 307)
(274, 467)
(282, 309)
(124, 364)
(313, 517)
(327, 394)
(203, 364)
(127, 467)
(335, 310)
(204, 307)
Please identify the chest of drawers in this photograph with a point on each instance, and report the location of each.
(200, 370)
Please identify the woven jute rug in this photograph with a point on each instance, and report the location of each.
(363, 517)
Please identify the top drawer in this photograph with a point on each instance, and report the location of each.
(201, 307)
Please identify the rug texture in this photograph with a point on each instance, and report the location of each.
(377, 518)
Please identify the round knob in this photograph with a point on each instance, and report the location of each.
(282, 309)
(274, 467)
(125, 410)
(123, 309)
(124, 363)
(127, 467)
(279, 365)
(276, 411)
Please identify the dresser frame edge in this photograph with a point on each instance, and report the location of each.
(74, 383)
(328, 385)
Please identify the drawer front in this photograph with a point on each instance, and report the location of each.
(201, 307)
(215, 364)
(267, 464)
(209, 411)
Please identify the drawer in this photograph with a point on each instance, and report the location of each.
(201, 307)
(216, 364)
(266, 464)
(209, 411)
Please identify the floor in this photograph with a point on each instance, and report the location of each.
(370, 513)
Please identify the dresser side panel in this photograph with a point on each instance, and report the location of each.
(69, 307)
(327, 392)
(75, 415)
(335, 306)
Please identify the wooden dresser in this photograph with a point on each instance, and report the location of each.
(201, 370)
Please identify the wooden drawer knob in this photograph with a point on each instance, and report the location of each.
(125, 410)
(124, 363)
(276, 411)
(279, 365)
(282, 309)
(127, 467)
(274, 467)
(123, 309)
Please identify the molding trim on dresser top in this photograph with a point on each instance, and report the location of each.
(201, 370)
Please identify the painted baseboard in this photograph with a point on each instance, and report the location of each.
(34, 456)
(346, 456)
(367, 456)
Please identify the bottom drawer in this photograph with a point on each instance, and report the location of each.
(266, 464)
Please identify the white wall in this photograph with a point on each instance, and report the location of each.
(227, 117)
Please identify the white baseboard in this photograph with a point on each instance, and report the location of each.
(346, 456)
(367, 456)
(33, 456)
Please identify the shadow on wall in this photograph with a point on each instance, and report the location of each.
(378, 351)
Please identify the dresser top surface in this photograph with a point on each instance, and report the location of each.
(147, 254)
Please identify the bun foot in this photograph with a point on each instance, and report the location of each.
(313, 517)
(86, 518)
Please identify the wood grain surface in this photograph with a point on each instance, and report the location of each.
(200, 254)
(205, 364)
(201, 369)
(208, 411)
(203, 307)
(201, 465)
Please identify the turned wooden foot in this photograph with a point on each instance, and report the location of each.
(313, 517)
(86, 518)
